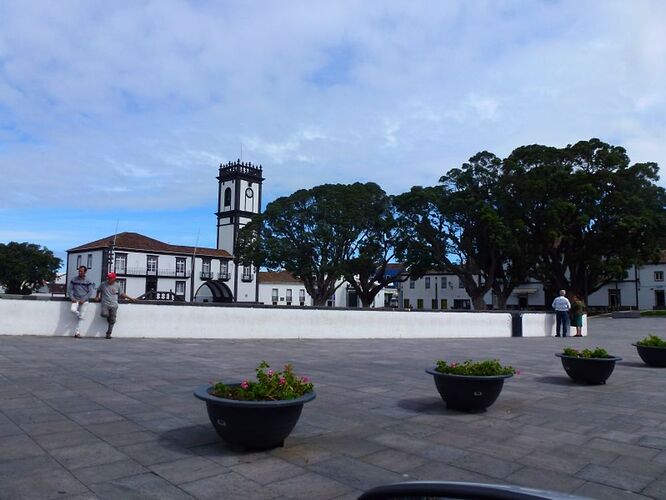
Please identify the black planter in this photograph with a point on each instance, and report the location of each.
(252, 424)
(652, 355)
(589, 370)
(467, 393)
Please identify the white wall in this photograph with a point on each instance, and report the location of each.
(53, 318)
(542, 325)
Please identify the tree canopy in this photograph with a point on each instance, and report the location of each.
(461, 227)
(314, 234)
(25, 266)
(589, 213)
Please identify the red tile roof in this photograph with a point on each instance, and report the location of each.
(278, 277)
(136, 241)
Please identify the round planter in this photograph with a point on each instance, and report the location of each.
(468, 393)
(589, 370)
(252, 424)
(652, 355)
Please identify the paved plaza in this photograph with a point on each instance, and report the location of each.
(116, 419)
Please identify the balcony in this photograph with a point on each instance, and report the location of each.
(160, 273)
(247, 278)
(206, 275)
(223, 276)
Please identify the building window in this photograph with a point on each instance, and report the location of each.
(427, 282)
(289, 296)
(331, 301)
(89, 262)
(443, 282)
(180, 266)
(151, 264)
(444, 304)
(462, 304)
(301, 296)
(120, 265)
(460, 283)
(274, 296)
(224, 269)
(405, 303)
(78, 261)
(227, 197)
(180, 288)
(434, 303)
(659, 275)
(419, 303)
(122, 283)
(412, 283)
(247, 273)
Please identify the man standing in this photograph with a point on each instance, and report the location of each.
(80, 289)
(562, 305)
(110, 292)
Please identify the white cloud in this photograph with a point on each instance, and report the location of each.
(141, 100)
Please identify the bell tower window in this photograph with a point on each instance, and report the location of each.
(227, 197)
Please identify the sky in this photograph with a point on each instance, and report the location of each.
(119, 113)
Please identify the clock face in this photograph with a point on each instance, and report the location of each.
(249, 193)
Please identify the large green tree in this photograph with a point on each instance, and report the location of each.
(312, 233)
(465, 226)
(25, 266)
(366, 266)
(589, 212)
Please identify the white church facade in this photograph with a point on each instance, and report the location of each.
(153, 269)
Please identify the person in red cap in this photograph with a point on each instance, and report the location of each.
(109, 292)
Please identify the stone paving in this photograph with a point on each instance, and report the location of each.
(116, 419)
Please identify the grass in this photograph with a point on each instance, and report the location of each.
(652, 314)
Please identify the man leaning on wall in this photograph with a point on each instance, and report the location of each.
(80, 289)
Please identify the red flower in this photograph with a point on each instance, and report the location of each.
(245, 384)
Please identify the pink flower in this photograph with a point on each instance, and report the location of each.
(244, 384)
(453, 365)
(283, 381)
(270, 373)
(517, 372)
(305, 380)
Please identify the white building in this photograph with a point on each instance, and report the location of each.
(281, 288)
(158, 270)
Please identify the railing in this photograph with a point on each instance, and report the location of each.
(162, 296)
(223, 276)
(239, 167)
(159, 272)
(206, 275)
(247, 277)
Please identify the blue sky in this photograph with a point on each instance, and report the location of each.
(122, 111)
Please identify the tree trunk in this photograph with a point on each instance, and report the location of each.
(479, 303)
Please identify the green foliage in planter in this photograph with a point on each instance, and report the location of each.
(475, 369)
(586, 353)
(652, 341)
(270, 386)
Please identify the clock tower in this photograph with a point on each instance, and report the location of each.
(238, 200)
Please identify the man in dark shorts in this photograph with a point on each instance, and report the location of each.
(109, 292)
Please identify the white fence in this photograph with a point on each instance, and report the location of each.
(53, 318)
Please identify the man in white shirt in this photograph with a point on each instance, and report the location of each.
(562, 305)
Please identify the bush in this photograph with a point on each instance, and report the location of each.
(270, 386)
(652, 341)
(475, 369)
(586, 353)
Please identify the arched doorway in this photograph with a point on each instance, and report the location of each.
(213, 291)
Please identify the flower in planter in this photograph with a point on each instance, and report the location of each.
(597, 353)
(652, 341)
(270, 386)
(475, 369)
